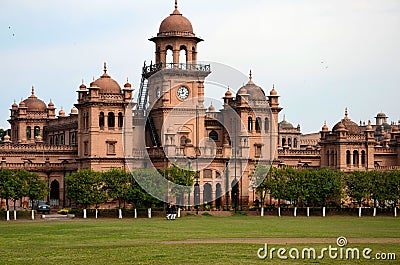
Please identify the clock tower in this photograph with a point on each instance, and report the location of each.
(172, 89)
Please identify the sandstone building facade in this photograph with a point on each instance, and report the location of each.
(168, 123)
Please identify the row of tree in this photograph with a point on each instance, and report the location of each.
(324, 187)
(16, 184)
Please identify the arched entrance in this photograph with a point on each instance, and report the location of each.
(235, 193)
(207, 193)
(54, 193)
(218, 195)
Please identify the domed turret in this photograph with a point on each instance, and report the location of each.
(61, 113)
(176, 24)
(74, 111)
(325, 128)
(211, 108)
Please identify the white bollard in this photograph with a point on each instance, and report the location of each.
(149, 213)
(308, 211)
(33, 215)
(135, 213)
(374, 212)
(15, 215)
(8, 215)
(179, 212)
(279, 211)
(262, 211)
(84, 214)
(295, 211)
(323, 211)
(395, 211)
(120, 213)
(96, 213)
(359, 212)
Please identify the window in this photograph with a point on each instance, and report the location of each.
(208, 174)
(283, 141)
(101, 120)
(257, 150)
(120, 120)
(37, 131)
(355, 158)
(290, 142)
(111, 147)
(348, 158)
(183, 140)
(28, 132)
(258, 124)
(266, 125)
(86, 148)
(62, 142)
(73, 139)
(51, 140)
(111, 120)
(213, 135)
(295, 143)
(250, 124)
(363, 158)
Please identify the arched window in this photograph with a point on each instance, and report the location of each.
(213, 135)
(111, 120)
(183, 56)
(348, 158)
(295, 143)
(101, 120)
(37, 131)
(363, 160)
(290, 142)
(170, 56)
(51, 140)
(28, 132)
(54, 193)
(355, 158)
(332, 158)
(73, 139)
(250, 124)
(207, 193)
(283, 141)
(183, 140)
(266, 125)
(57, 140)
(120, 120)
(218, 195)
(62, 139)
(258, 124)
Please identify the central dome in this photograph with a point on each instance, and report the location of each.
(176, 23)
(35, 104)
(348, 124)
(255, 92)
(106, 84)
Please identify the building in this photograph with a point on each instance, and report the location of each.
(168, 123)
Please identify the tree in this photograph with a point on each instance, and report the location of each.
(85, 188)
(327, 186)
(262, 178)
(116, 182)
(180, 176)
(152, 185)
(6, 185)
(358, 186)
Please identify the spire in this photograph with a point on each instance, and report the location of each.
(251, 75)
(346, 113)
(250, 78)
(176, 4)
(33, 90)
(284, 117)
(105, 67)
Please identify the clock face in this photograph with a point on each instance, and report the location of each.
(183, 92)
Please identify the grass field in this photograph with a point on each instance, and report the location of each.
(195, 240)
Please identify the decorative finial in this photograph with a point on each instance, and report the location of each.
(105, 67)
(93, 79)
(325, 123)
(273, 86)
(83, 81)
(229, 89)
(33, 90)
(251, 75)
(284, 117)
(176, 4)
(346, 112)
(127, 80)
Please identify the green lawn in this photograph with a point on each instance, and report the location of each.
(148, 241)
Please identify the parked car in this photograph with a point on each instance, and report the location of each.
(42, 207)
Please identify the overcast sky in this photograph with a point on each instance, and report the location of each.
(322, 56)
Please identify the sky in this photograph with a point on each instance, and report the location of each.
(322, 56)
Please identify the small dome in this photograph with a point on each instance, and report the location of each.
(176, 23)
(285, 125)
(51, 104)
(74, 111)
(242, 91)
(325, 128)
(106, 84)
(7, 138)
(127, 85)
(14, 105)
(61, 113)
(255, 92)
(348, 124)
(22, 104)
(369, 127)
(273, 92)
(381, 115)
(35, 104)
(211, 108)
(228, 93)
(82, 86)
